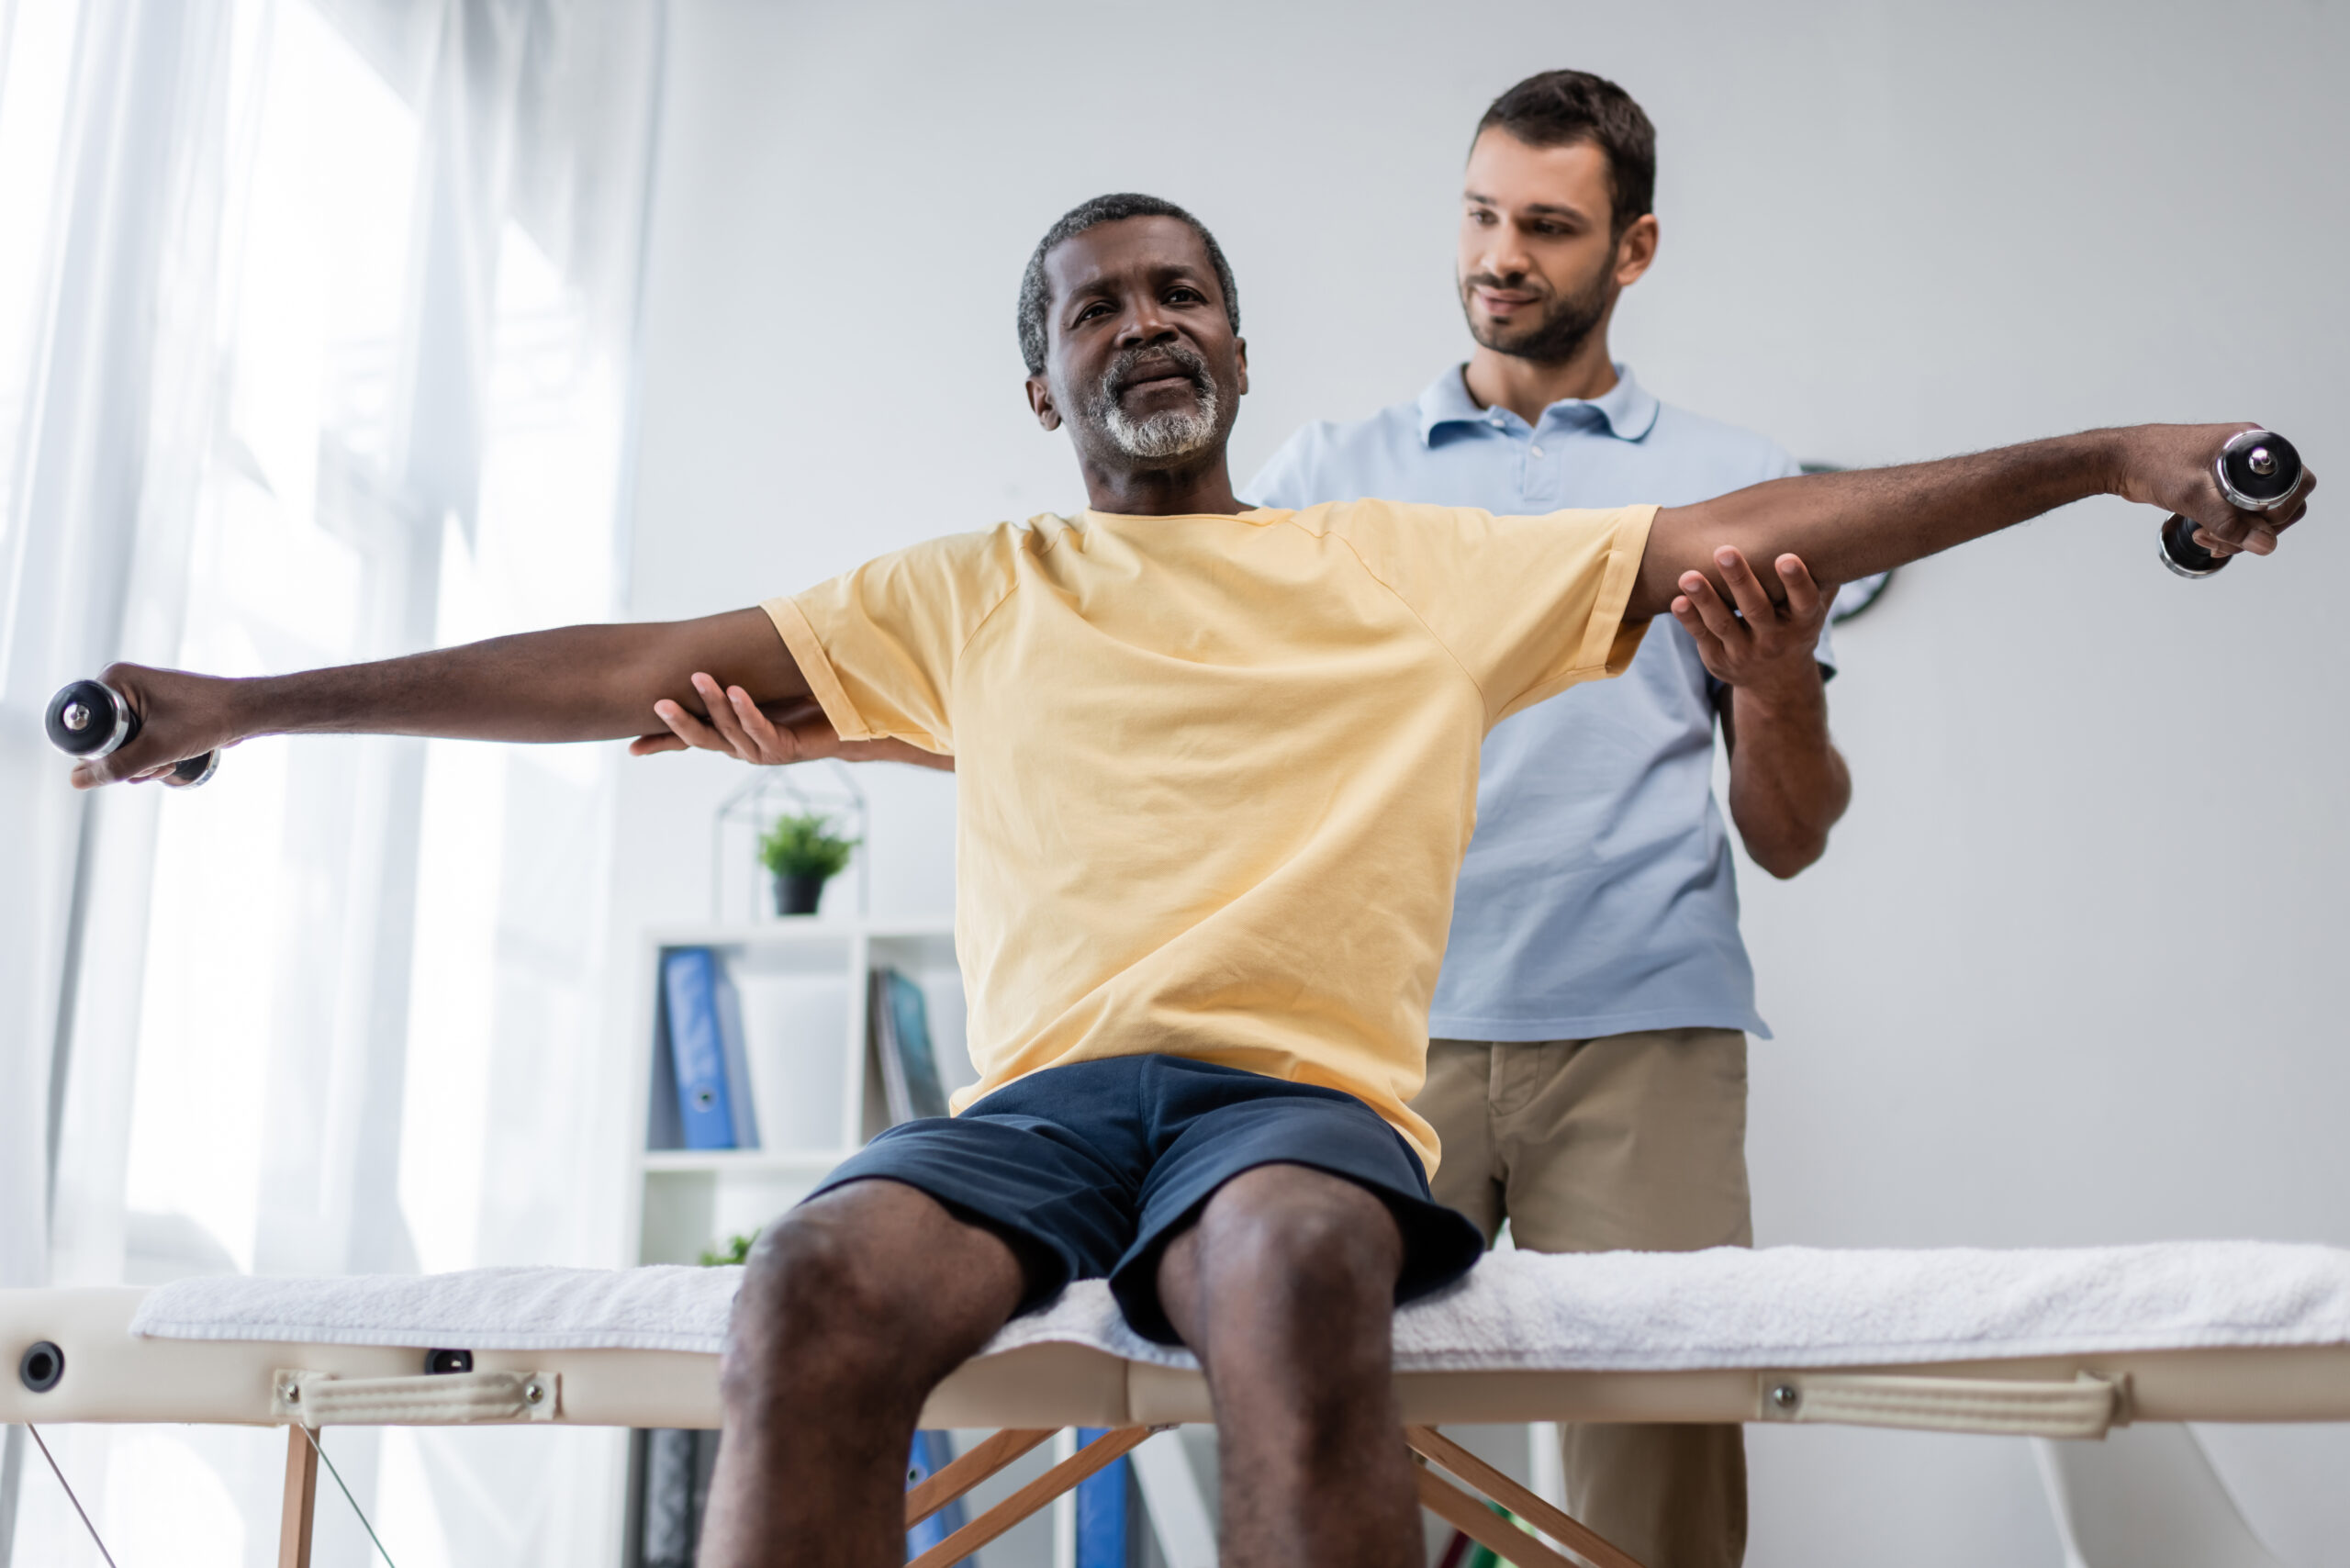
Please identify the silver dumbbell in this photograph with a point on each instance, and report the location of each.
(2257, 470)
(90, 719)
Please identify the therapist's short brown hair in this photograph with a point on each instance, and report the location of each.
(1558, 108)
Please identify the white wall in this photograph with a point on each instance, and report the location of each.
(2069, 974)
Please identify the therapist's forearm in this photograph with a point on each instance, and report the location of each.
(1788, 784)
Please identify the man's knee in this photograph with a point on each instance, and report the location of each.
(1296, 1236)
(825, 1294)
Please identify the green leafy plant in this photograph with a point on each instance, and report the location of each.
(804, 846)
(736, 1250)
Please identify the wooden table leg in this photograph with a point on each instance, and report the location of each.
(1551, 1520)
(1033, 1497)
(959, 1477)
(1483, 1525)
(301, 1500)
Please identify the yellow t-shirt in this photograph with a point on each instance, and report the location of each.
(1215, 774)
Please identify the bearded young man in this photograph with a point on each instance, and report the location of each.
(1588, 1071)
(1217, 767)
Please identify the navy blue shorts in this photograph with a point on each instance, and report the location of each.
(1089, 1171)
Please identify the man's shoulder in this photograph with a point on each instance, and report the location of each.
(1032, 536)
(1371, 517)
(982, 562)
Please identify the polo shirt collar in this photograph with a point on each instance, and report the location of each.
(1628, 408)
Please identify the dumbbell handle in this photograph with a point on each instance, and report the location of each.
(2257, 470)
(90, 719)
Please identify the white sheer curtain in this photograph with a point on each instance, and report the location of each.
(347, 378)
(109, 120)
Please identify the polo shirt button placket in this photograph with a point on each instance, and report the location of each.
(1541, 467)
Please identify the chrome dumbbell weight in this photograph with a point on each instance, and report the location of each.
(91, 718)
(2257, 470)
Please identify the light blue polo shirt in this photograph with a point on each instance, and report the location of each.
(1598, 896)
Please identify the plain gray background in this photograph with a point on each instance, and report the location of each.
(2069, 972)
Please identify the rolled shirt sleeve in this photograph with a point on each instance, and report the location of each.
(879, 645)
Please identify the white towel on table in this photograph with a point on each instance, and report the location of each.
(670, 1308)
(1781, 1306)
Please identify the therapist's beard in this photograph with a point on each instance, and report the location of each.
(1170, 433)
(1555, 338)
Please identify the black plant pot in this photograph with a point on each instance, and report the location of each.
(798, 892)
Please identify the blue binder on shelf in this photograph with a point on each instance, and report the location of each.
(736, 1054)
(1104, 1529)
(713, 1102)
(901, 1031)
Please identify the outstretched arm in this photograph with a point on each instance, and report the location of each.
(1852, 524)
(575, 683)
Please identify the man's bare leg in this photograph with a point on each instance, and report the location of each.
(1285, 1290)
(854, 1307)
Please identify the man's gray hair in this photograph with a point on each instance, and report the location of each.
(1093, 214)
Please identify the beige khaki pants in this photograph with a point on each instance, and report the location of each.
(1586, 1146)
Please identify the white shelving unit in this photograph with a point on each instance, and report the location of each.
(802, 981)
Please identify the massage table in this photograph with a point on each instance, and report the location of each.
(2054, 1343)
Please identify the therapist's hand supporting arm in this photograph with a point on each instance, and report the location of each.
(574, 683)
(1787, 783)
(771, 734)
(1851, 524)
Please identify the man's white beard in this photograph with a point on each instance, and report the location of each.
(1173, 433)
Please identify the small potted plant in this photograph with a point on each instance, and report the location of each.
(803, 854)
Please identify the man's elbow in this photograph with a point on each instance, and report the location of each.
(1790, 856)
(1789, 842)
